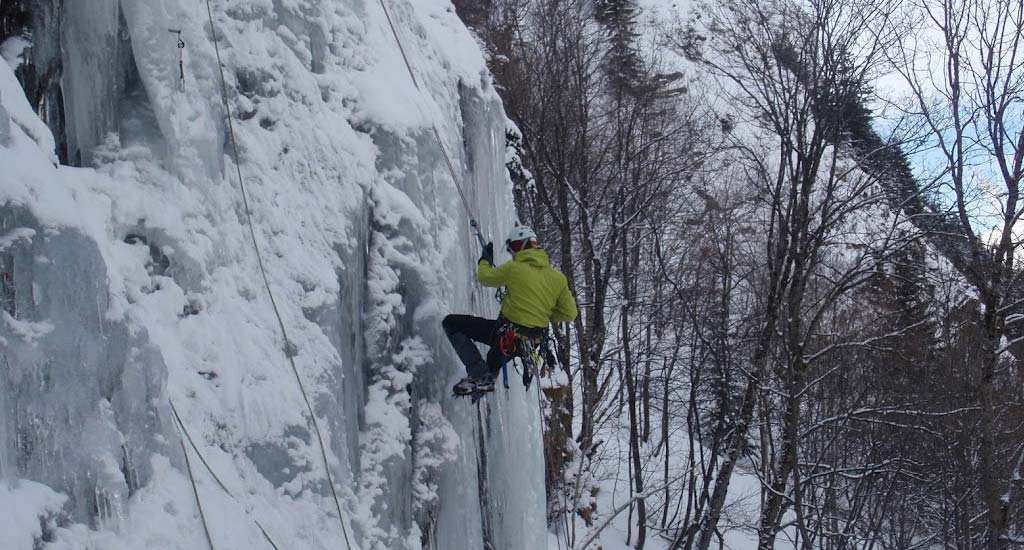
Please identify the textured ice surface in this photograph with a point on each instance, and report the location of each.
(5, 127)
(133, 283)
(95, 57)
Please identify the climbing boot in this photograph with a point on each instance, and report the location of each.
(469, 386)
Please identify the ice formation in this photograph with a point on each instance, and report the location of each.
(131, 282)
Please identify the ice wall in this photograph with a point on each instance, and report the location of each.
(133, 284)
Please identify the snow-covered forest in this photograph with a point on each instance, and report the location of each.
(792, 226)
(230, 229)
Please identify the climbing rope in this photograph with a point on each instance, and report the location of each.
(498, 295)
(195, 491)
(548, 459)
(480, 443)
(552, 363)
(202, 459)
(181, 425)
(437, 135)
(290, 350)
(530, 357)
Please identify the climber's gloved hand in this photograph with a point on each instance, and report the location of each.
(487, 255)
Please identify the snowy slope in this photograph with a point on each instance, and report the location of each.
(134, 283)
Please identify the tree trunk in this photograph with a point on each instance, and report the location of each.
(738, 441)
(645, 394)
(771, 510)
(629, 375)
(634, 433)
(996, 508)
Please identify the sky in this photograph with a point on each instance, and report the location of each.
(892, 90)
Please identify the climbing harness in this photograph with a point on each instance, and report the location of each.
(181, 59)
(516, 341)
(437, 135)
(507, 346)
(511, 340)
(507, 340)
(289, 347)
(188, 437)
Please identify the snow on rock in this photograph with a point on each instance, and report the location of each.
(132, 283)
(12, 51)
(29, 509)
(26, 330)
(16, 111)
(437, 443)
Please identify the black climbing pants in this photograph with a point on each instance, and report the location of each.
(463, 331)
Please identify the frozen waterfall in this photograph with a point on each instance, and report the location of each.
(129, 281)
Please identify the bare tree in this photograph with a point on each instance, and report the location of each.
(965, 72)
(795, 67)
(750, 280)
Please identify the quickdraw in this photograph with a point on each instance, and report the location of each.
(181, 59)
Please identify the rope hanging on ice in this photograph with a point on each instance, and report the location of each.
(476, 228)
(195, 492)
(480, 453)
(209, 470)
(530, 363)
(437, 135)
(290, 350)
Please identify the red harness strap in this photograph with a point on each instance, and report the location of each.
(507, 340)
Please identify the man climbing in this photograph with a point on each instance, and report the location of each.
(536, 294)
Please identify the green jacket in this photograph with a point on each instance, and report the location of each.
(536, 293)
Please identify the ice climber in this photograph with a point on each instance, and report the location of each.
(535, 294)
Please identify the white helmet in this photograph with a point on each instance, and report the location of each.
(520, 233)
